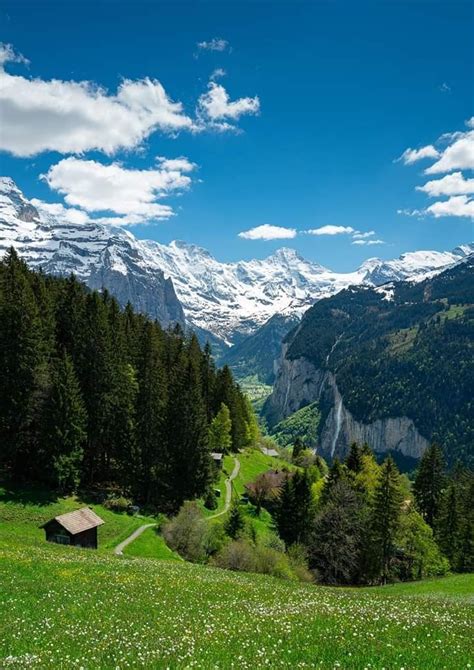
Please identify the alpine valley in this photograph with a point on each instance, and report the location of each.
(382, 355)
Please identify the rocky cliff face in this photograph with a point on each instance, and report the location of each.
(299, 383)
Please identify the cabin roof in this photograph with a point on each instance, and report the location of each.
(269, 452)
(79, 521)
(216, 455)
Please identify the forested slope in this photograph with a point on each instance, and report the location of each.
(94, 394)
(402, 350)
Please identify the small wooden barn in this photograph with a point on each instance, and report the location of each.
(78, 528)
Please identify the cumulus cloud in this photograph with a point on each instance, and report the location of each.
(459, 205)
(95, 187)
(73, 117)
(216, 44)
(451, 184)
(331, 230)
(182, 164)
(456, 152)
(268, 232)
(39, 115)
(459, 155)
(410, 156)
(216, 106)
(59, 211)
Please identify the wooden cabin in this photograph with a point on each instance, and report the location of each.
(78, 528)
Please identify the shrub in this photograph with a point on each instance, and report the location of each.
(237, 555)
(210, 501)
(186, 533)
(118, 504)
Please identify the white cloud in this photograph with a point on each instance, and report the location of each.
(182, 164)
(215, 105)
(361, 236)
(470, 122)
(445, 88)
(410, 156)
(217, 74)
(8, 55)
(369, 243)
(331, 230)
(459, 155)
(74, 117)
(95, 187)
(56, 209)
(216, 44)
(39, 115)
(268, 232)
(451, 184)
(459, 205)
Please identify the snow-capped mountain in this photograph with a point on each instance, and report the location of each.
(229, 300)
(101, 256)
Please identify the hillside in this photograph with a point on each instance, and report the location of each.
(393, 366)
(107, 612)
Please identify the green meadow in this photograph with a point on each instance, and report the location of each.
(64, 607)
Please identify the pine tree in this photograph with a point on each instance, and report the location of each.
(285, 511)
(429, 484)
(295, 508)
(151, 465)
(337, 472)
(22, 363)
(385, 519)
(64, 429)
(220, 438)
(336, 537)
(235, 522)
(189, 454)
(298, 447)
(354, 458)
(448, 525)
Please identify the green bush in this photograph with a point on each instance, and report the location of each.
(210, 501)
(118, 504)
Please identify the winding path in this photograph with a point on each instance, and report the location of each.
(118, 551)
(120, 547)
(228, 490)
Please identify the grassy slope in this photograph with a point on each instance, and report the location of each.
(99, 611)
(151, 545)
(253, 463)
(23, 511)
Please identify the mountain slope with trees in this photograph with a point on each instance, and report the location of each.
(93, 394)
(404, 349)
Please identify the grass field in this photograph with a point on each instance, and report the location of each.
(64, 608)
(151, 545)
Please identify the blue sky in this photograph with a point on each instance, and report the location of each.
(301, 133)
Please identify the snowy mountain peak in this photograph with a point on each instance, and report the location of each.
(226, 299)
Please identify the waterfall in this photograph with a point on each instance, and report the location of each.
(338, 425)
(287, 393)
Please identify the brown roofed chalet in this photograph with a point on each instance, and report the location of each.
(79, 521)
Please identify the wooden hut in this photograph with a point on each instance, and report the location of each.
(78, 528)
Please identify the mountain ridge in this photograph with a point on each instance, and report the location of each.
(182, 282)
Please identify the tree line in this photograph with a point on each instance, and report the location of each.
(356, 522)
(93, 394)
